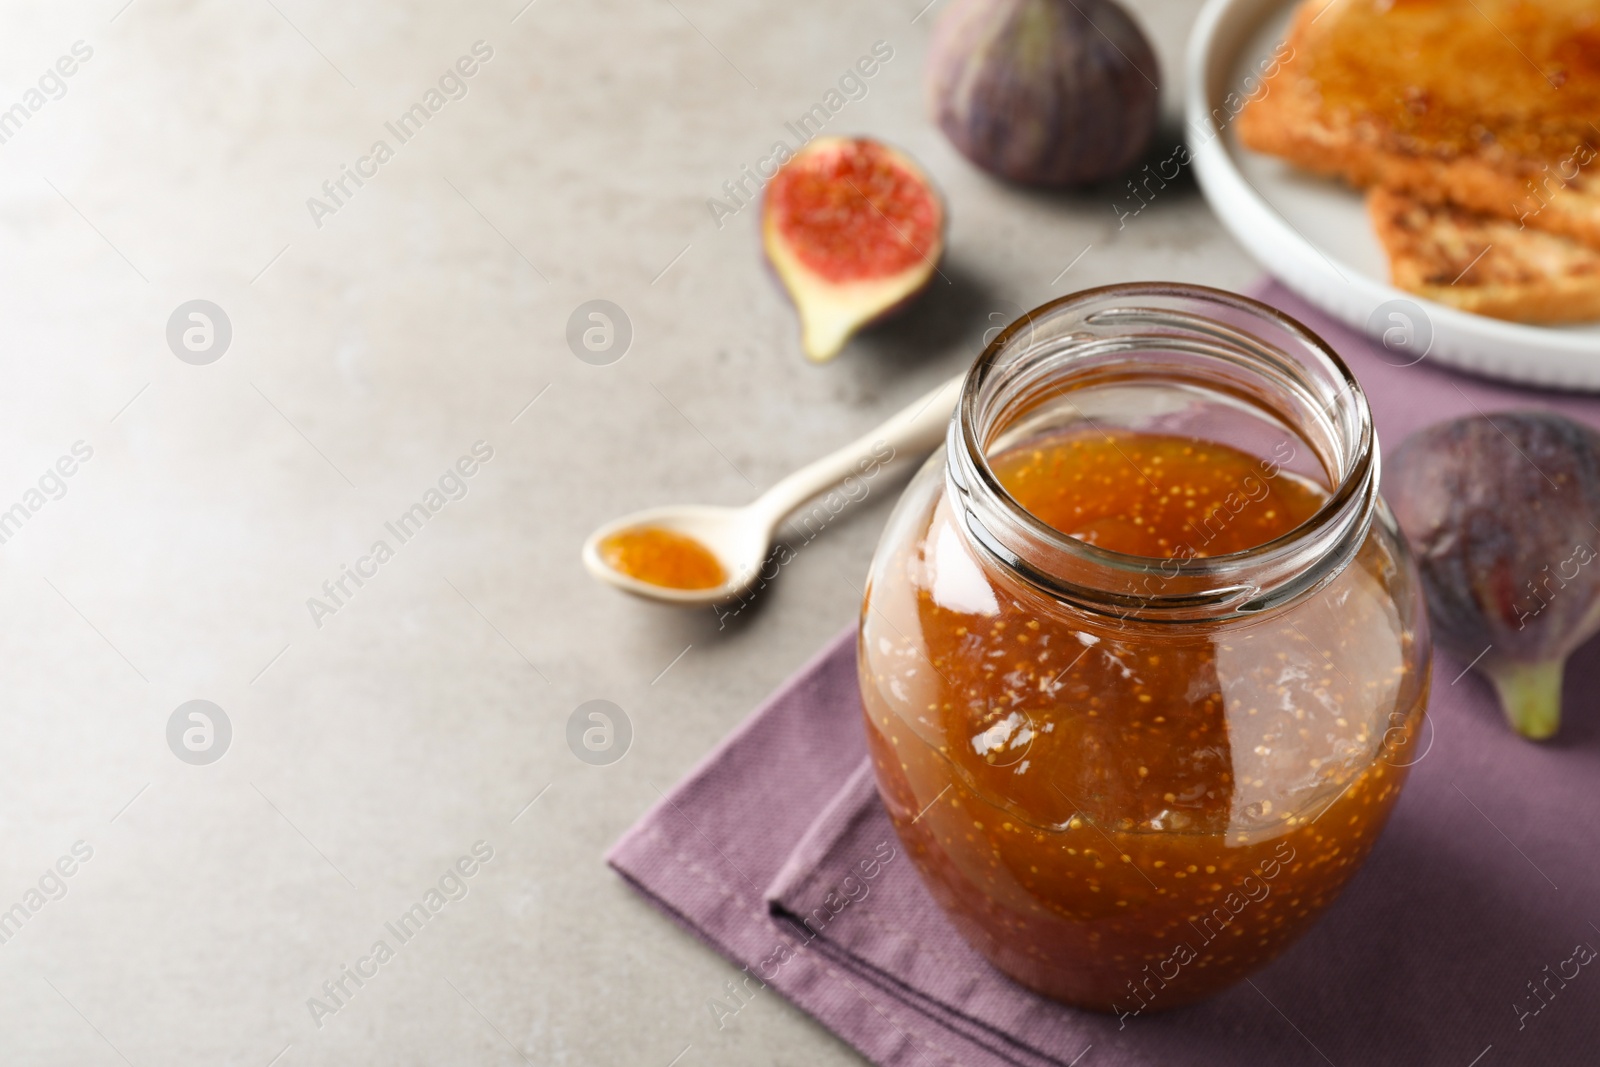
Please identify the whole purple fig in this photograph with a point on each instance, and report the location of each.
(1044, 92)
(1502, 511)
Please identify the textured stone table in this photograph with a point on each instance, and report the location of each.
(379, 330)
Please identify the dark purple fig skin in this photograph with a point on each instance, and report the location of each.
(1501, 511)
(1044, 92)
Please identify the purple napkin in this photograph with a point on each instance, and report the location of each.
(1468, 939)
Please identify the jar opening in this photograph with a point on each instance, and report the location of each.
(1186, 361)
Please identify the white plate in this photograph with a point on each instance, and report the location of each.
(1314, 235)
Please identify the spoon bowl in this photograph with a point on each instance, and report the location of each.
(738, 537)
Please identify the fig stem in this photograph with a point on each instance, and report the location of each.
(1530, 695)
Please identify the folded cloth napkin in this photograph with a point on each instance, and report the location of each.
(1468, 939)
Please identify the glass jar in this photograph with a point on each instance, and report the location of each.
(1132, 779)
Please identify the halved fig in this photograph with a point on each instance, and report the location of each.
(854, 229)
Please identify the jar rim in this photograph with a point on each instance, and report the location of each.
(1348, 509)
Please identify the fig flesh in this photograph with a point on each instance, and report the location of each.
(854, 230)
(1044, 92)
(1502, 511)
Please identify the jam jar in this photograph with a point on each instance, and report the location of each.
(1143, 657)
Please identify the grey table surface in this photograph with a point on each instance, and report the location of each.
(374, 341)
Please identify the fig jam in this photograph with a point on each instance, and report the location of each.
(1123, 809)
(663, 557)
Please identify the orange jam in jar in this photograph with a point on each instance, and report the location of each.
(1143, 656)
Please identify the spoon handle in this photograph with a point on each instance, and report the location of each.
(916, 429)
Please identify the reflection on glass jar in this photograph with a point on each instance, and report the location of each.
(1143, 657)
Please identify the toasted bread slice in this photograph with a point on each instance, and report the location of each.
(1490, 104)
(1485, 264)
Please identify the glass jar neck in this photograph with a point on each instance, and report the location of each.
(1193, 361)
